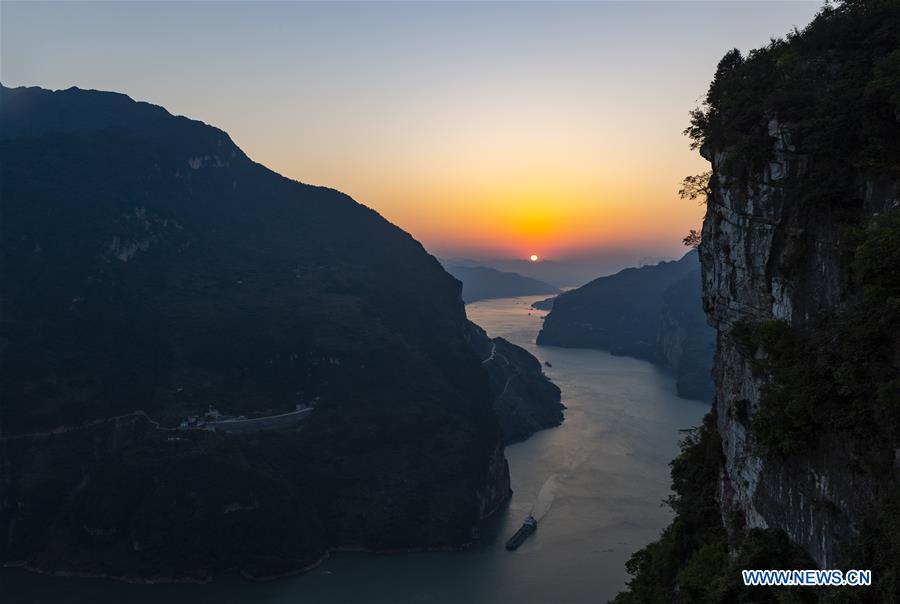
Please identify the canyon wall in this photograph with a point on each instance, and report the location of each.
(765, 257)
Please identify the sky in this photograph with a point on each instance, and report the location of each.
(485, 129)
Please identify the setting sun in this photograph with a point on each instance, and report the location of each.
(533, 258)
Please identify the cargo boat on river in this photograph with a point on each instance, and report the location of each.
(528, 527)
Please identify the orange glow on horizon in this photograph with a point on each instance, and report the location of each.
(483, 130)
(509, 198)
(499, 176)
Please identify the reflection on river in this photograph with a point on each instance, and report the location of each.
(601, 476)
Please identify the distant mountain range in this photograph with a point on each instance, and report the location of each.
(561, 274)
(481, 282)
(150, 269)
(653, 312)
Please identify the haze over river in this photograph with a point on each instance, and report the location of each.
(596, 483)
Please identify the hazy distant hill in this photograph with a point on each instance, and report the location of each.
(148, 265)
(558, 273)
(652, 312)
(480, 282)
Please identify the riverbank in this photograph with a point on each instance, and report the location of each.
(610, 458)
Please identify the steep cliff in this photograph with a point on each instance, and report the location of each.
(799, 255)
(151, 269)
(795, 189)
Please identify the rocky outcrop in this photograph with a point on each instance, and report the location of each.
(525, 400)
(796, 466)
(545, 304)
(766, 257)
(496, 488)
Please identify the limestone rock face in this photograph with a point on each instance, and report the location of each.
(765, 257)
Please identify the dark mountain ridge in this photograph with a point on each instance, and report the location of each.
(560, 274)
(149, 267)
(653, 313)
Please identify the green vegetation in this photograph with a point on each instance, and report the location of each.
(693, 239)
(692, 561)
(833, 91)
(696, 535)
(696, 186)
(787, 419)
(834, 85)
(697, 560)
(131, 280)
(840, 376)
(840, 372)
(877, 259)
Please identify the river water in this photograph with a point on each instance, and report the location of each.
(595, 483)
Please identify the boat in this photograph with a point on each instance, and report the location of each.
(547, 363)
(524, 532)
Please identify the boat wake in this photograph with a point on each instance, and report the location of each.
(545, 498)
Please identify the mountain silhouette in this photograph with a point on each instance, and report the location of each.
(653, 312)
(482, 282)
(150, 269)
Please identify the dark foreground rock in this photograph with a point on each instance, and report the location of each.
(797, 464)
(545, 304)
(149, 265)
(525, 400)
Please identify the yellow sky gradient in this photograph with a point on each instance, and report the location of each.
(495, 179)
(484, 129)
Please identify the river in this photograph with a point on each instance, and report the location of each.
(596, 482)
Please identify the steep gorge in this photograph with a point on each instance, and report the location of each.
(806, 348)
(799, 255)
(150, 269)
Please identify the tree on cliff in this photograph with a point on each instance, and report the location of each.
(692, 239)
(695, 187)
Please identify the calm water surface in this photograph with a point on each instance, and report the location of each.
(597, 482)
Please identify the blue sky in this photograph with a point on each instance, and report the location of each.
(482, 128)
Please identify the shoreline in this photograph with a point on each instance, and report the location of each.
(25, 566)
(136, 580)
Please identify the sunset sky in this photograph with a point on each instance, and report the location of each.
(484, 129)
